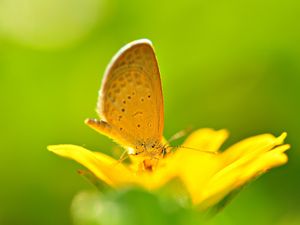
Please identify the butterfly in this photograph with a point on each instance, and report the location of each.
(130, 102)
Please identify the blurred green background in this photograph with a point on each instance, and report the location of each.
(224, 64)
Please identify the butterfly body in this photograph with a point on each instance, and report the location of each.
(130, 102)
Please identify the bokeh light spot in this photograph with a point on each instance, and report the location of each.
(49, 24)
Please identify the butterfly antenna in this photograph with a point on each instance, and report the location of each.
(180, 134)
(195, 149)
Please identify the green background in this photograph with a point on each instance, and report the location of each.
(224, 64)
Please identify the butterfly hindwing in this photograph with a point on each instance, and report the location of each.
(130, 99)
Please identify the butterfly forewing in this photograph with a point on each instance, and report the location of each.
(130, 99)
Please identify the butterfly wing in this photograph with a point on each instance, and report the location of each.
(130, 100)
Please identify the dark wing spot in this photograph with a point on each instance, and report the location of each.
(137, 113)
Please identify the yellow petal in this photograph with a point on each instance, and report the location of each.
(104, 167)
(240, 172)
(155, 180)
(252, 146)
(224, 183)
(196, 166)
(266, 161)
(206, 139)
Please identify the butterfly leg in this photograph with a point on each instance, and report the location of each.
(123, 156)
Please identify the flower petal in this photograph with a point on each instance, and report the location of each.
(195, 167)
(206, 139)
(241, 171)
(268, 160)
(103, 166)
(253, 146)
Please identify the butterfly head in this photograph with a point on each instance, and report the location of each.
(149, 153)
(149, 149)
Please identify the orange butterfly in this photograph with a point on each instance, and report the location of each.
(130, 102)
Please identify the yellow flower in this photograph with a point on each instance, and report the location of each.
(208, 178)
